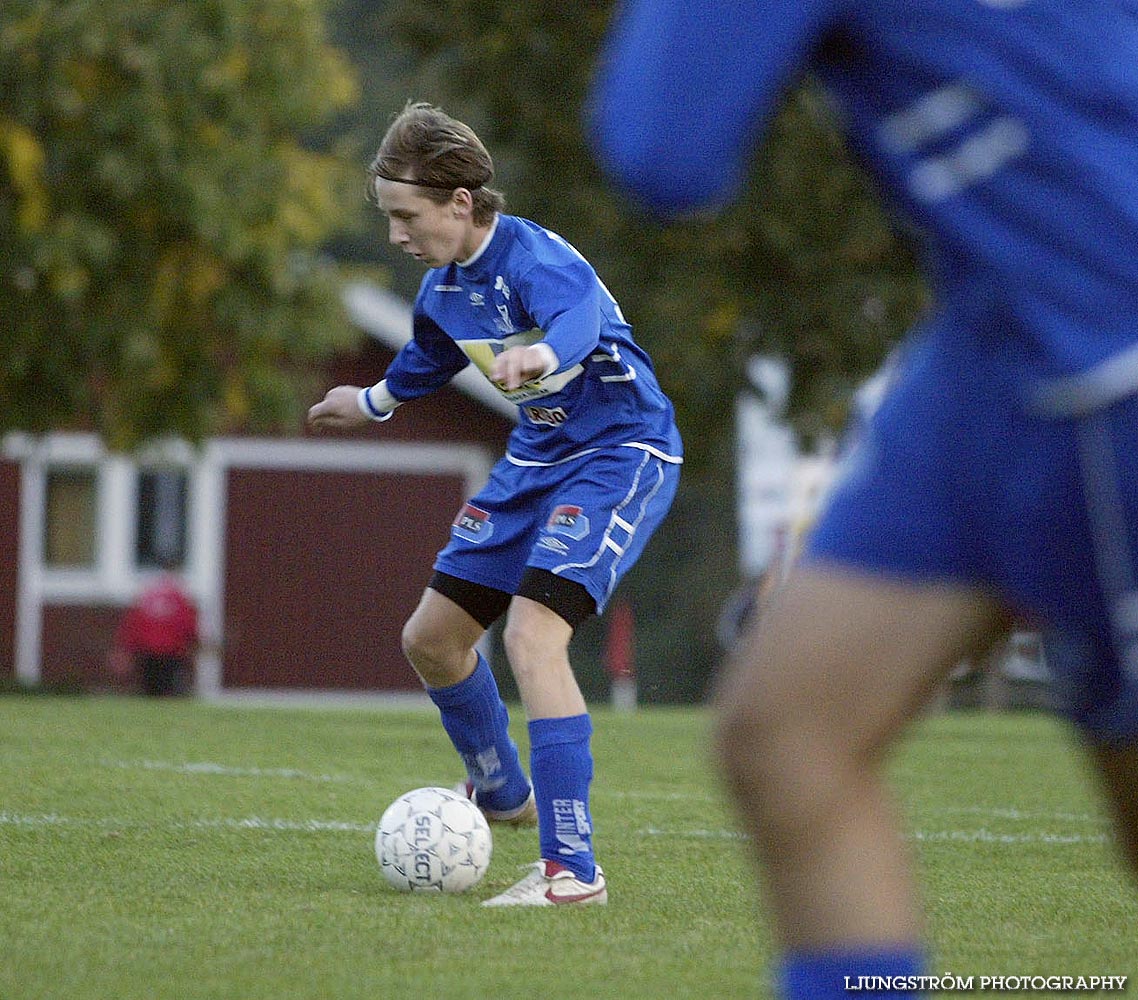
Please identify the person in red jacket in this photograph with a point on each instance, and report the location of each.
(157, 638)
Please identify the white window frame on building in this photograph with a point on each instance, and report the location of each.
(114, 573)
(111, 571)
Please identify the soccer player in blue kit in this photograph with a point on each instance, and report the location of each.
(590, 472)
(998, 478)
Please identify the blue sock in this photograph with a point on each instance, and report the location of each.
(478, 724)
(823, 975)
(562, 768)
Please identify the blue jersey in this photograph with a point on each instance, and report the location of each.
(1005, 130)
(528, 284)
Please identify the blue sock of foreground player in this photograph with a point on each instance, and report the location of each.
(562, 768)
(478, 724)
(881, 974)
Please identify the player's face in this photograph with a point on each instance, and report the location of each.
(432, 233)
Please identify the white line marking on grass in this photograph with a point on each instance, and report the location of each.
(33, 821)
(653, 831)
(981, 836)
(273, 825)
(289, 825)
(222, 770)
(1025, 815)
(43, 819)
(655, 796)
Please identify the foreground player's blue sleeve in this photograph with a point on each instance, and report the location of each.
(684, 91)
(428, 361)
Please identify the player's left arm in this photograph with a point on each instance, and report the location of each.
(565, 304)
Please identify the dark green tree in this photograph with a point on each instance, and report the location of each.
(160, 217)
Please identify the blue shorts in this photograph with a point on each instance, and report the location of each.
(961, 478)
(586, 519)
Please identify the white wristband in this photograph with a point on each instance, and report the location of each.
(376, 403)
(552, 361)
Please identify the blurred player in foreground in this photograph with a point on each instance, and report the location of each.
(590, 472)
(1000, 474)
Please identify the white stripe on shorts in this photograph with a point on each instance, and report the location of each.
(616, 521)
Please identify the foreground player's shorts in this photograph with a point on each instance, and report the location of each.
(962, 478)
(586, 519)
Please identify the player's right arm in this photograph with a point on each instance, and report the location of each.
(428, 361)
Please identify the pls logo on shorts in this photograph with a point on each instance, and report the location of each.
(473, 524)
(568, 520)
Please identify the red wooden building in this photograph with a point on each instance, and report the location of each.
(304, 553)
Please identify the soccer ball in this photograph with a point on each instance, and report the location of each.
(433, 840)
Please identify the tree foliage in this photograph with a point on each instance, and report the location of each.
(805, 266)
(160, 217)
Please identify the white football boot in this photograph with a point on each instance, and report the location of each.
(552, 884)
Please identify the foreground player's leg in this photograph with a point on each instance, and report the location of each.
(537, 642)
(816, 696)
(438, 640)
(1118, 767)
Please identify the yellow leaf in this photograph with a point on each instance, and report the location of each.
(25, 160)
(236, 400)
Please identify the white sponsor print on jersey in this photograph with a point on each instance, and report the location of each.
(551, 416)
(503, 321)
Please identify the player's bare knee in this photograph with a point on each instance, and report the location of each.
(414, 640)
(435, 656)
(524, 641)
(769, 745)
(786, 783)
(745, 740)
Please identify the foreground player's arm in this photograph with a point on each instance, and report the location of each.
(684, 91)
(425, 363)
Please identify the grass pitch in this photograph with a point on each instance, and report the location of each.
(158, 850)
